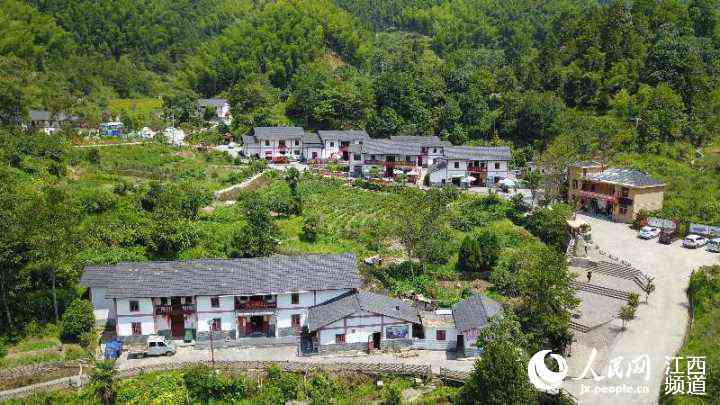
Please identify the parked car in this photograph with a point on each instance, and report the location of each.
(714, 245)
(154, 346)
(694, 241)
(649, 232)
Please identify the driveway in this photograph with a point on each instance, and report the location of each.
(435, 359)
(660, 325)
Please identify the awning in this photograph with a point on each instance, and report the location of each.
(599, 196)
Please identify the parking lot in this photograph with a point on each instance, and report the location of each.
(660, 325)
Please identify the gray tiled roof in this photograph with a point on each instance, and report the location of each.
(626, 177)
(422, 140)
(344, 136)
(360, 301)
(248, 140)
(217, 102)
(263, 275)
(311, 139)
(478, 153)
(276, 133)
(387, 147)
(42, 115)
(474, 312)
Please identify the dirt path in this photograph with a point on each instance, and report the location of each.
(659, 327)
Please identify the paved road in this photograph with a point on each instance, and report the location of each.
(435, 359)
(659, 328)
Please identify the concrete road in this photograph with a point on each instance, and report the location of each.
(660, 325)
(435, 359)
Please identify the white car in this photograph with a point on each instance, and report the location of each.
(694, 241)
(649, 232)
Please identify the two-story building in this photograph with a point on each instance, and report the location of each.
(274, 143)
(432, 148)
(470, 166)
(265, 297)
(336, 144)
(385, 157)
(220, 106)
(618, 193)
(50, 123)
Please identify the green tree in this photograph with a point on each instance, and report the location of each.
(258, 234)
(77, 320)
(479, 251)
(627, 314)
(534, 180)
(500, 374)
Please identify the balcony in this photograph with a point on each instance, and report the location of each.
(169, 309)
(602, 196)
(389, 164)
(477, 169)
(254, 305)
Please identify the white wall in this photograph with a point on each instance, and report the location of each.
(124, 324)
(206, 313)
(123, 306)
(284, 317)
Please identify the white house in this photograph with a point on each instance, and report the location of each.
(361, 320)
(431, 147)
(470, 165)
(335, 144)
(50, 123)
(389, 158)
(221, 106)
(264, 297)
(274, 143)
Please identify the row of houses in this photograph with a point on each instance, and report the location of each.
(315, 301)
(413, 157)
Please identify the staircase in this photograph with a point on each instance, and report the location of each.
(616, 270)
(578, 327)
(596, 289)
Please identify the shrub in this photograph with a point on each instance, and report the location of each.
(478, 251)
(205, 384)
(634, 300)
(311, 228)
(77, 319)
(98, 201)
(93, 156)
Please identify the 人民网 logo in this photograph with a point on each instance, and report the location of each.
(541, 376)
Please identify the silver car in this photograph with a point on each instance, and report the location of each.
(694, 241)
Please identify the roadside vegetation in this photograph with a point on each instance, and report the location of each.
(703, 336)
(202, 384)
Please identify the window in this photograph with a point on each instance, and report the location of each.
(136, 328)
(332, 144)
(340, 339)
(497, 165)
(356, 157)
(295, 298)
(215, 302)
(584, 172)
(297, 142)
(188, 300)
(434, 150)
(440, 334)
(295, 320)
(623, 209)
(134, 306)
(216, 325)
(163, 301)
(372, 157)
(267, 143)
(483, 165)
(456, 165)
(625, 192)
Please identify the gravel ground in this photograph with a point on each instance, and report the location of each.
(436, 359)
(659, 327)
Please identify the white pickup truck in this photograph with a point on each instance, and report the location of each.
(154, 346)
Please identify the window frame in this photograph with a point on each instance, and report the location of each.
(134, 305)
(340, 339)
(136, 328)
(441, 335)
(216, 325)
(295, 320)
(456, 165)
(497, 165)
(214, 302)
(295, 298)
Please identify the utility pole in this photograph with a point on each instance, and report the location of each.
(212, 347)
